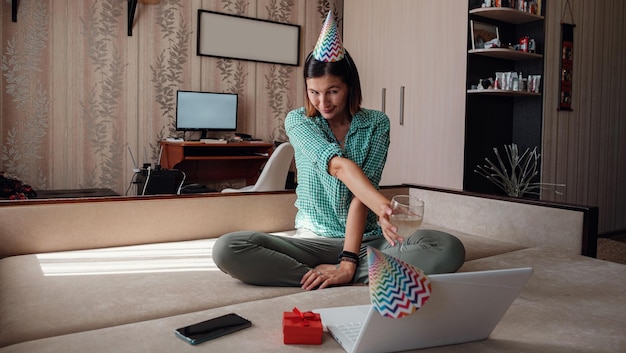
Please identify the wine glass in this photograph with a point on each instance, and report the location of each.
(407, 215)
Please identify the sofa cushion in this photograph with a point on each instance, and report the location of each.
(59, 293)
(73, 291)
(570, 304)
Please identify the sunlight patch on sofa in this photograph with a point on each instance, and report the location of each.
(151, 258)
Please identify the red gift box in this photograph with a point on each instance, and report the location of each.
(302, 328)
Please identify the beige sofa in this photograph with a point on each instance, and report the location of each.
(115, 275)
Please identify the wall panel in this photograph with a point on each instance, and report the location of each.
(584, 148)
(77, 92)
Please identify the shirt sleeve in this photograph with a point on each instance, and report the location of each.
(310, 140)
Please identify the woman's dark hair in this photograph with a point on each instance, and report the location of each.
(344, 69)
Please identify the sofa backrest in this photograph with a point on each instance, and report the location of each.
(41, 226)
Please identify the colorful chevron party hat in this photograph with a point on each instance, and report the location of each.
(397, 289)
(329, 47)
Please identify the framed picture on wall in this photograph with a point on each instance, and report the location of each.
(483, 34)
(244, 38)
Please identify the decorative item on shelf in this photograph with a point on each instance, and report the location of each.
(513, 81)
(533, 83)
(532, 46)
(504, 3)
(516, 177)
(507, 81)
(486, 83)
(484, 35)
(498, 84)
(523, 44)
(529, 6)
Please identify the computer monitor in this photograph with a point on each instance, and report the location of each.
(206, 111)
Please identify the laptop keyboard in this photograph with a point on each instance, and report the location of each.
(351, 330)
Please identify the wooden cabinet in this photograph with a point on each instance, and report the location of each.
(498, 117)
(411, 57)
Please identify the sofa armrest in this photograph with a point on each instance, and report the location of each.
(572, 229)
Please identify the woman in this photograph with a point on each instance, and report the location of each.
(340, 151)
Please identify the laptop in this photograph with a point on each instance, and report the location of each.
(463, 307)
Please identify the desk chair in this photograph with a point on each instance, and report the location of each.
(274, 174)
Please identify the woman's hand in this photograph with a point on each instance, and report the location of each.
(389, 230)
(326, 275)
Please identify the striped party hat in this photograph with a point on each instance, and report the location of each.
(329, 47)
(397, 289)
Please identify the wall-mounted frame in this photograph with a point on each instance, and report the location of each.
(567, 66)
(482, 33)
(244, 38)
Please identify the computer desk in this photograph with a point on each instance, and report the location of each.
(204, 162)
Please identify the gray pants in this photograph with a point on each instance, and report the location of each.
(269, 260)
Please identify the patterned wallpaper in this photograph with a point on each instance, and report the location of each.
(77, 93)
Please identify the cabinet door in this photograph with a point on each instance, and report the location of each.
(419, 45)
(367, 40)
(434, 111)
(370, 29)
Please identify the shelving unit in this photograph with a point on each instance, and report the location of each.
(496, 117)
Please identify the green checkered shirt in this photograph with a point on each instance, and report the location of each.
(323, 200)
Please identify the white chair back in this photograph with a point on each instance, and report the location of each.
(274, 174)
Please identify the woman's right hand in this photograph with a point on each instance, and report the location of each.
(327, 275)
(389, 230)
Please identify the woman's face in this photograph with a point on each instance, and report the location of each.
(329, 95)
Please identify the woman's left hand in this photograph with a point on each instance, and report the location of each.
(326, 275)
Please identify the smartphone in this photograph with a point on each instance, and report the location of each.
(212, 328)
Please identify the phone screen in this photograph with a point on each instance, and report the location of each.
(212, 328)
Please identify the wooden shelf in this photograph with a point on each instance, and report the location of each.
(505, 14)
(499, 92)
(505, 53)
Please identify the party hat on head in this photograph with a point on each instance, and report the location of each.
(329, 47)
(397, 289)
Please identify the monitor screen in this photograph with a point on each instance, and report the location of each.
(206, 111)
